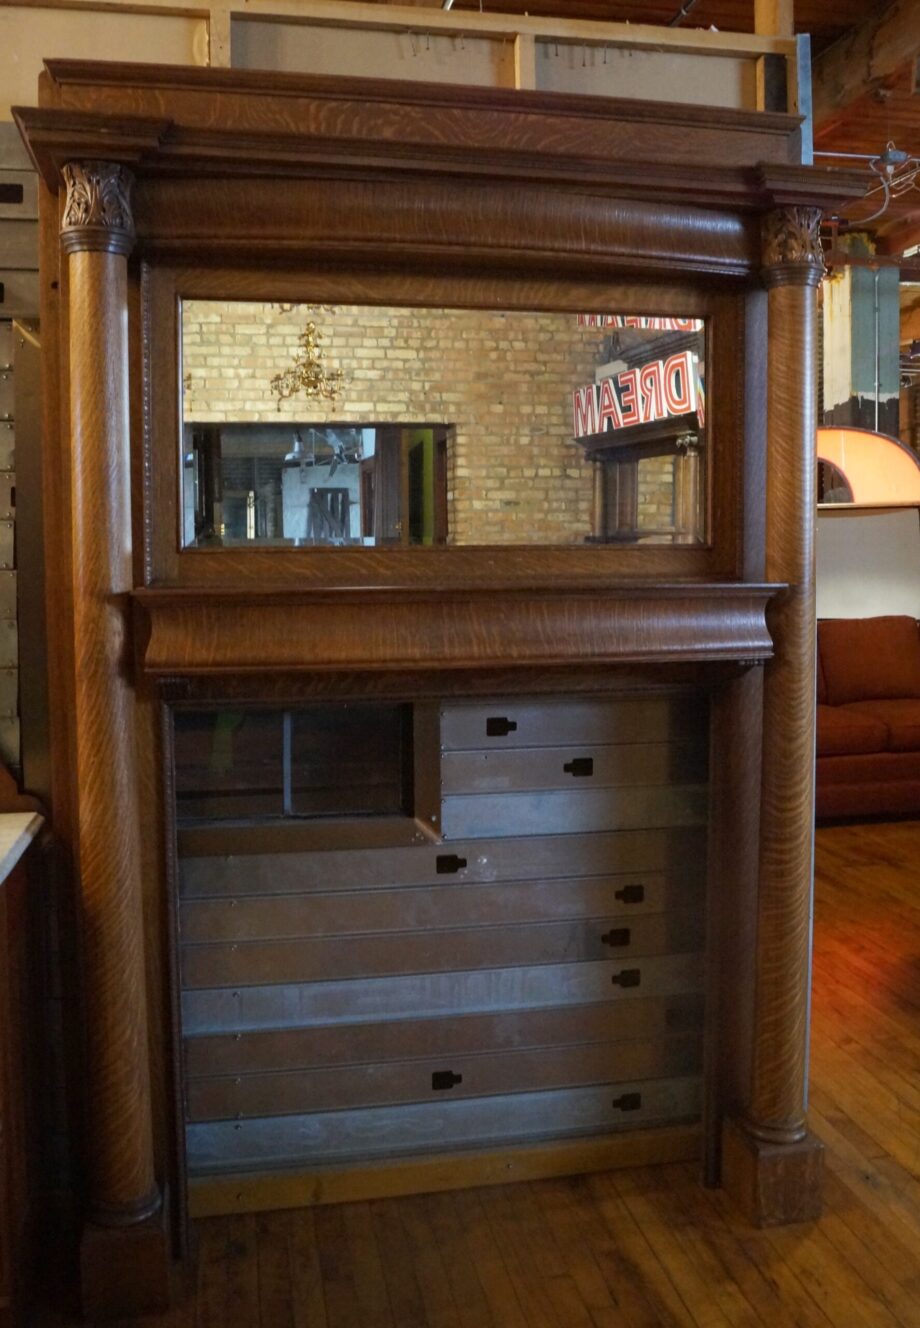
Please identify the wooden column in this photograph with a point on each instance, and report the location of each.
(771, 1164)
(124, 1261)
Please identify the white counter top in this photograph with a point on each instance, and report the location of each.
(17, 830)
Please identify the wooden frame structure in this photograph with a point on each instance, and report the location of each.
(158, 182)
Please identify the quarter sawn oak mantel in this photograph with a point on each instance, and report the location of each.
(198, 632)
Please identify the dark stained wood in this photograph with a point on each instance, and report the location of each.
(285, 188)
(193, 632)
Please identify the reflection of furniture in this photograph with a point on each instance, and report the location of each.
(364, 203)
(618, 459)
(868, 727)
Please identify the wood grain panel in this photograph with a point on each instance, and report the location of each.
(306, 1005)
(384, 1084)
(352, 1044)
(196, 632)
(573, 767)
(572, 811)
(257, 963)
(246, 867)
(387, 1131)
(342, 913)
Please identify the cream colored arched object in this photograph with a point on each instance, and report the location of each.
(877, 468)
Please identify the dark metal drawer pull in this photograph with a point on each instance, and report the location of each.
(582, 767)
(442, 1079)
(448, 862)
(497, 726)
(616, 936)
(628, 1101)
(11, 193)
(630, 977)
(631, 894)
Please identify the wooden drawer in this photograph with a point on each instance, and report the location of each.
(531, 986)
(460, 1035)
(542, 857)
(234, 1097)
(367, 1133)
(572, 811)
(316, 959)
(19, 197)
(559, 722)
(573, 767)
(460, 904)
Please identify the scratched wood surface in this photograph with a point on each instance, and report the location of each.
(648, 1247)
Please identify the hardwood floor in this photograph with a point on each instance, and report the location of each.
(649, 1247)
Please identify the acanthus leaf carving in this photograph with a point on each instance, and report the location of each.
(791, 237)
(97, 209)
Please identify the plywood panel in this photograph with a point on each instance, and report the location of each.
(414, 55)
(29, 35)
(697, 80)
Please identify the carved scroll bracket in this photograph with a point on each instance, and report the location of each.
(791, 247)
(97, 209)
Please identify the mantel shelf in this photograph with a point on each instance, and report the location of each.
(201, 632)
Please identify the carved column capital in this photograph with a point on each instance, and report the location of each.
(791, 250)
(97, 210)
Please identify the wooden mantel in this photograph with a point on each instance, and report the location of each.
(160, 184)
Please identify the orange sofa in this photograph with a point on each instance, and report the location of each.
(868, 739)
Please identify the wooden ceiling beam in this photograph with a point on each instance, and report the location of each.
(774, 18)
(865, 59)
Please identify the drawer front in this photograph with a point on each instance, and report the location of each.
(379, 1132)
(440, 995)
(255, 963)
(461, 1035)
(570, 767)
(542, 857)
(18, 242)
(7, 407)
(7, 594)
(204, 921)
(19, 196)
(558, 722)
(572, 811)
(18, 292)
(235, 1097)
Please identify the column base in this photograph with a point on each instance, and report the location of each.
(127, 1271)
(772, 1184)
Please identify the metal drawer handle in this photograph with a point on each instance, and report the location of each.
(497, 726)
(616, 936)
(445, 863)
(582, 767)
(631, 894)
(630, 977)
(628, 1101)
(442, 1079)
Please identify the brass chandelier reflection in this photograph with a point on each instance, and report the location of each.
(308, 374)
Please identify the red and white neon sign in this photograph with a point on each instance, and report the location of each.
(654, 391)
(639, 321)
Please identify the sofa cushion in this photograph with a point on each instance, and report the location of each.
(846, 731)
(820, 684)
(867, 659)
(901, 719)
